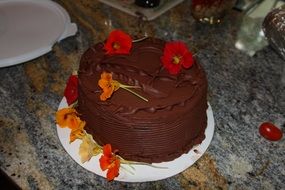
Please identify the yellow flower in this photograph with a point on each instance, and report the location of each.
(77, 133)
(88, 148)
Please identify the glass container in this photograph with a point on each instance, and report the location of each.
(211, 11)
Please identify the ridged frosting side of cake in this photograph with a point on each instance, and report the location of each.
(168, 125)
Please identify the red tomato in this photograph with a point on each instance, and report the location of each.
(270, 131)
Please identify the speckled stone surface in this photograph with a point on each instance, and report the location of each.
(243, 92)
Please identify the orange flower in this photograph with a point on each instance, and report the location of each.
(109, 161)
(108, 85)
(67, 117)
(77, 133)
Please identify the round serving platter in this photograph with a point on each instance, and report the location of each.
(140, 173)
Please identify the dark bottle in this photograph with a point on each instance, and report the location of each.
(147, 3)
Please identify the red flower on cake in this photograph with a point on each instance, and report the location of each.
(71, 89)
(109, 161)
(118, 42)
(176, 55)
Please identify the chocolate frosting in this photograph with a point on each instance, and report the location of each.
(169, 124)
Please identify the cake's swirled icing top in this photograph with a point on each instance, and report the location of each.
(143, 68)
(168, 125)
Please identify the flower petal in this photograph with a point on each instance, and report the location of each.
(106, 94)
(62, 116)
(122, 40)
(71, 89)
(179, 52)
(107, 150)
(113, 171)
(174, 69)
(187, 60)
(104, 162)
(73, 121)
(86, 148)
(106, 76)
(108, 85)
(103, 83)
(78, 133)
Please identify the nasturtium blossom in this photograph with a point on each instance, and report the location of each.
(118, 42)
(175, 56)
(71, 89)
(68, 117)
(88, 148)
(110, 162)
(108, 85)
(77, 133)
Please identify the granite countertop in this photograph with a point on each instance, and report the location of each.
(243, 92)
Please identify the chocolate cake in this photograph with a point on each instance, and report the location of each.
(171, 122)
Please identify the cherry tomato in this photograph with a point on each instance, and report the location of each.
(270, 131)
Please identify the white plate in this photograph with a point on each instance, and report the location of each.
(29, 29)
(141, 173)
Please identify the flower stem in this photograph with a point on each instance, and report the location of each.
(127, 170)
(73, 104)
(127, 89)
(141, 163)
(140, 39)
(128, 86)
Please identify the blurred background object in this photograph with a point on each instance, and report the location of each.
(250, 37)
(245, 5)
(145, 9)
(211, 11)
(147, 3)
(274, 29)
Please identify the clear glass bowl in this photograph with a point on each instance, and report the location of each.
(211, 11)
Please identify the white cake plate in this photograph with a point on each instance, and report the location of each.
(29, 29)
(141, 173)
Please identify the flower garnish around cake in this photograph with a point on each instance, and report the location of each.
(68, 117)
(110, 161)
(118, 42)
(71, 89)
(77, 133)
(88, 148)
(109, 86)
(176, 56)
